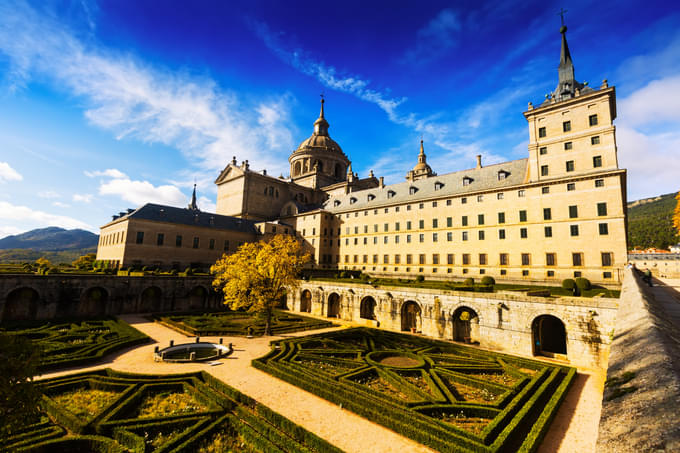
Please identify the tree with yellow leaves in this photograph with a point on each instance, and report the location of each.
(676, 214)
(258, 274)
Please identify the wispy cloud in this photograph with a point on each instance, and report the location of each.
(109, 172)
(82, 198)
(138, 192)
(48, 194)
(435, 38)
(35, 218)
(7, 173)
(136, 100)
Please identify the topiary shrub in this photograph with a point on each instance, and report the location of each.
(488, 280)
(146, 268)
(469, 281)
(583, 283)
(568, 283)
(344, 274)
(420, 279)
(188, 271)
(173, 272)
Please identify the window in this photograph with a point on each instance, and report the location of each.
(606, 258)
(391, 193)
(396, 226)
(434, 204)
(577, 259)
(573, 212)
(408, 207)
(550, 259)
(543, 150)
(412, 190)
(482, 259)
(599, 183)
(397, 259)
(178, 241)
(356, 259)
(449, 258)
(503, 259)
(370, 197)
(466, 259)
(521, 193)
(385, 239)
(544, 170)
(547, 214)
(386, 259)
(435, 223)
(573, 229)
(602, 209)
(480, 198)
(140, 237)
(409, 259)
(467, 180)
(226, 245)
(375, 259)
(160, 238)
(438, 185)
(464, 220)
(523, 233)
(571, 186)
(604, 229)
(548, 231)
(551, 273)
(597, 161)
(449, 222)
(522, 216)
(570, 165)
(396, 239)
(408, 224)
(421, 237)
(545, 190)
(196, 240)
(501, 217)
(435, 258)
(448, 202)
(421, 205)
(449, 236)
(408, 238)
(526, 259)
(595, 140)
(502, 175)
(463, 200)
(499, 196)
(465, 235)
(352, 200)
(501, 234)
(211, 244)
(480, 235)
(541, 132)
(434, 237)
(480, 219)
(566, 126)
(386, 227)
(421, 258)
(568, 146)
(421, 224)
(365, 259)
(592, 120)
(525, 273)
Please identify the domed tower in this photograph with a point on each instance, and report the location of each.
(319, 160)
(421, 169)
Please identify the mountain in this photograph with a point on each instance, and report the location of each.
(53, 239)
(650, 222)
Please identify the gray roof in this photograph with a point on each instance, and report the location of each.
(183, 216)
(450, 184)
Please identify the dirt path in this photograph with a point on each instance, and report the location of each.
(573, 430)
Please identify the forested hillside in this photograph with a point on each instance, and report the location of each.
(650, 222)
(56, 244)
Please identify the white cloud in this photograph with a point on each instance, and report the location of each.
(7, 173)
(110, 172)
(133, 99)
(651, 103)
(9, 231)
(141, 192)
(82, 198)
(59, 204)
(435, 38)
(48, 194)
(206, 204)
(36, 219)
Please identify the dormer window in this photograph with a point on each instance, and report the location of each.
(438, 185)
(412, 190)
(391, 193)
(336, 203)
(371, 197)
(467, 180)
(352, 200)
(503, 175)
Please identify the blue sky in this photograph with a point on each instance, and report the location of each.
(108, 105)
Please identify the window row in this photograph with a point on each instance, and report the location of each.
(482, 259)
(179, 241)
(566, 126)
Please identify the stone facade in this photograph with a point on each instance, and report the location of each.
(502, 321)
(664, 265)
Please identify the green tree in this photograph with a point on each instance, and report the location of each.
(19, 397)
(85, 262)
(257, 275)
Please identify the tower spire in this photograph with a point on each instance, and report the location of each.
(321, 125)
(567, 84)
(421, 156)
(193, 205)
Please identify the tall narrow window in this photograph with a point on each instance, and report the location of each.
(503, 259)
(543, 150)
(607, 258)
(547, 214)
(577, 259)
(522, 216)
(592, 120)
(160, 238)
(566, 126)
(544, 170)
(548, 231)
(570, 165)
(501, 234)
(480, 219)
(523, 233)
(464, 220)
(597, 161)
(602, 209)
(195, 242)
(501, 217)
(541, 132)
(550, 259)
(526, 259)
(604, 229)
(211, 244)
(140, 237)
(573, 212)
(178, 240)
(573, 229)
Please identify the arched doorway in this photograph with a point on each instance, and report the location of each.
(411, 320)
(549, 335)
(150, 300)
(306, 301)
(197, 298)
(334, 306)
(464, 319)
(367, 308)
(21, 304)
(93, 302)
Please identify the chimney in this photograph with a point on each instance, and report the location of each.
(479, 161)
(382, 182)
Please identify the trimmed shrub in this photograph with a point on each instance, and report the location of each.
(420, 279)
(583, 283)
(488, 280)
(469, 281)
(568, 283)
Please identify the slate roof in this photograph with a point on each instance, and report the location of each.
(183, 216)
(450, 184)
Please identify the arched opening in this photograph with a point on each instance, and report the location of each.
(464, 321)
(198, 297)
(334, 306)
(367, 308)
(549, 335)
(21, 304)
(297, 168)
(306, 301)
(338, 170)
(318, 165)
(411, 320)
(150, 300)
(93, 302)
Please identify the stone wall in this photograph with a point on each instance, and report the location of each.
(502, 321)
(24, 297)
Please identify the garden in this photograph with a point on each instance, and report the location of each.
(73, 342)
(446, 396)
(238, 323)
(109, 411)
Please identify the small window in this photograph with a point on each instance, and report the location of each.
(566, 126)
(544, 170)
(160, 238)
(140, 237)
(480, 235)
(607, 259)
(571, 186)
(499, 196)
(502, 174)
(526, 259)
(371, 197)
(602, 209)
(480, 219)
(391, 193)
(178, 241)
(449, 236)
(523, 233)
(434, 204)
(480, 198)
(466, 259)
(573, 212)
(551, 273)
(421, 205)
(449, 258)
(599, 183)
(435, 258)
(577, 259)
(438, 185)
(467, 180)
(548, 231)
(196, 242)
(435, 223)
(449, 222)
(545, 190)
(421, 224)
(434, 237)
(547, 214)
(550, 259)
(592, 120)
(570, 165)
(503, 259)
(604, 229)
(501, 234)
(568, 146)
(336, 203)
(211, 245)
(482, 259)
(543, 150)
(522, 216)
(464, 220)
(465, 235)
(421, 258)
(501, 217)
(597, 161)
(525, 273)
(606, 275)
(421, 237)
(412, 190)
(521, 193)
(448, 202)
(541, 132)
(595, 140)
(573, 229)
(463, 200)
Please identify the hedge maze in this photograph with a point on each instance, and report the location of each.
(446, 396)
(237, 323)
(76, 342)
(109, 411)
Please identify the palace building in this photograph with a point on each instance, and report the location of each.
(558, 213)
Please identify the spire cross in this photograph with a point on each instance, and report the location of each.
(561, 14)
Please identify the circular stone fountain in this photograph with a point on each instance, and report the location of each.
(192, 352)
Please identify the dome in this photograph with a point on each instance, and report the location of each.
(321, 143)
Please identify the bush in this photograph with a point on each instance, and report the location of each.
(488, 280)
(420, 279)
(568, 283)
(173, 272)
(469, 281)
(583, 283)
(188, 271)
(344, 274)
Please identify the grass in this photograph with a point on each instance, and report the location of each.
(85, 402)
(168, 403)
